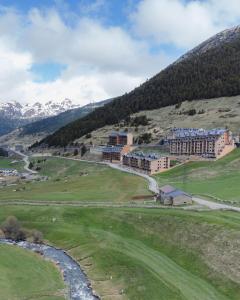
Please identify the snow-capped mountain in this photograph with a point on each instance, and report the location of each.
(16, 110)
(14, 114)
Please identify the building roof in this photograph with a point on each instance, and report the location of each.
(197, 132)
(167, 189)
(112, 149)
(149, 157)
(177, 193)
(116, 133)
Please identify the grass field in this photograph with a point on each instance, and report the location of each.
(73, 180)
(25, 275)
(146, 254)
(7, 163)
(219, 179)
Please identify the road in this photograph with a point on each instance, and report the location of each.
(153, 185)
(25, 158)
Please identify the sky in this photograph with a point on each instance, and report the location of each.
(91, 50)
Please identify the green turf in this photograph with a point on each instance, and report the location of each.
(73, 180)
(219, 179)
(7, 163)
(25, 275)
(146, 254)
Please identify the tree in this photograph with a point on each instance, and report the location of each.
(12, 229)
(83, 150)
(75, 153)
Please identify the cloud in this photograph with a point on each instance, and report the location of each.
(183, 24)
(102, 62)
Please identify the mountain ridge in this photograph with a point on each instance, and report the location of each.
(207, 74)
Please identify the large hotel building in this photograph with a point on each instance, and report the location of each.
(119, 143)
(150, 164)
(207, 143)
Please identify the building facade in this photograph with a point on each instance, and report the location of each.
(206, 143)
(120, 138)
(114, 153)
(150, 164)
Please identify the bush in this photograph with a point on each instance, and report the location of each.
(145, 138)
(88, 135)
(37, 237)
(12, 229)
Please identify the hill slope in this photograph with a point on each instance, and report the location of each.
(209, 71)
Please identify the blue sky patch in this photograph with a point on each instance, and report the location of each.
(47, 72)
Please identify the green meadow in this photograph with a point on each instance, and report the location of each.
(25, 275)
(145, 254)
(218, 179)
(11, 163)
(70, 180)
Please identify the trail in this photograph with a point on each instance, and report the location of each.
(25, 158)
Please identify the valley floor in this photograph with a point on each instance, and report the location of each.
(135, 253)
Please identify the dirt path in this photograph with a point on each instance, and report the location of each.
(25, 158)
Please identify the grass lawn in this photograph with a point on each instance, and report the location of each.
(219, 179)
(73, 180)
(6, 162)
(146, 254)
(25, 275)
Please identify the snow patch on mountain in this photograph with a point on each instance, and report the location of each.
(16, 110)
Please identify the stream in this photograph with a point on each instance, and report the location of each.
(76, 281)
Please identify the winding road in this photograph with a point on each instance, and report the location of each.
(152, 184)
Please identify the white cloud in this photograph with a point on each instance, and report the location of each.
(102, 61)
(184, 24)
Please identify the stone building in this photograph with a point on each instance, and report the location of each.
(169, 195)
(206, 143)
(149, 163)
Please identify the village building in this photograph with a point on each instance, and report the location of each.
(8, 172)
(206, 143)
(149, 163)
(120, 138)
(169, 195)
(114, 153)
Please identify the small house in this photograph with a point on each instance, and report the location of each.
(169, 195)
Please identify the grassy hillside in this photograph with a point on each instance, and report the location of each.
(146, 254)
(208, 74)
(73, 180)
(25, 275)
(220, 112)
(218, 179)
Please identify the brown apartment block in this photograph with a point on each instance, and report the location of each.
(150, 164)
(206, 143)
(120, 138)
(114, 153)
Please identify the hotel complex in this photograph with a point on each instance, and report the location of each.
(207, 143)
(120, 138)
(150, 164)
(119, 144)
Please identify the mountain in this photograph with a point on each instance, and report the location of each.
(14, 114)
(211, 70)
(51, 124)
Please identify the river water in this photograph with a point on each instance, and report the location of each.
(76, 281)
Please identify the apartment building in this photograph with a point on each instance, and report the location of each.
(120, 138)
(212, 143)
(114, 153)
(149, 163)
